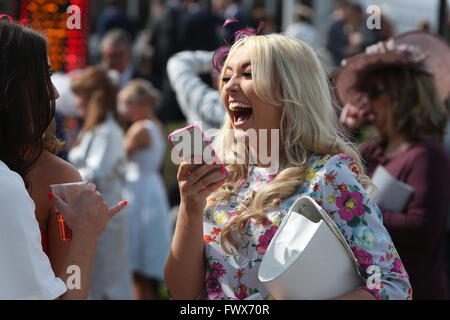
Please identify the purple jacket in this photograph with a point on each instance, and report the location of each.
(418, 232)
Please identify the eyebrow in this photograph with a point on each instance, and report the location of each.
(244, 65)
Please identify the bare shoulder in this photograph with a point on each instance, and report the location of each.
(55, 170)
(139, 133)
(137, 128)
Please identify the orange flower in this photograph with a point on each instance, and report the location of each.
(216, 231)
(352, 166)
(329, 178)
(243, 287)
(342, 187)
(208, 239)
(239, 274)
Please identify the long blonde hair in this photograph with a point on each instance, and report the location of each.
(285, 73)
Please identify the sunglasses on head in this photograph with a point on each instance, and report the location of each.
(375, 91)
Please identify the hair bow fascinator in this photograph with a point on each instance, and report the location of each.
(233, 31)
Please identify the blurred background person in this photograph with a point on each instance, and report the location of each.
(114, 16)
(349, 35)
(145, 144)
(303, 28)
(233, 9)
(198, 30)
(392, 86)
(199, 101)
(117, 54)
(100, 157)
(165, 41)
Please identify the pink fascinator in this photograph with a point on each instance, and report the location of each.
(221, 53)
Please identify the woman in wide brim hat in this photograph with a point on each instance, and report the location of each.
(399, 86)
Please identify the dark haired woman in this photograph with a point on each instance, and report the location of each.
(404, 103)
(50, 169)
(100, 157)
(27, 99)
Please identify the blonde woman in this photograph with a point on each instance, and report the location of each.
(274, 82)
(145, 143)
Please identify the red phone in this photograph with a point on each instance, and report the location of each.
(191, 143)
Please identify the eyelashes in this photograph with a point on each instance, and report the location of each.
(247, 75)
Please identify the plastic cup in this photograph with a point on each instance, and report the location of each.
(68, 192)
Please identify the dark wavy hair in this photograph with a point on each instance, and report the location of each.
(416, 110)
(27, 100)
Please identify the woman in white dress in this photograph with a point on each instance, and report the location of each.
(145, 144)
(99, 155)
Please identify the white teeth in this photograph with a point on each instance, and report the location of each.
(235, 105)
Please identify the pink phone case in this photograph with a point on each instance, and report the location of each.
(206, 142)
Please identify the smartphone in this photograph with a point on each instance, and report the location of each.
(191, 145)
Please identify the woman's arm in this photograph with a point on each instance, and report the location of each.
(184, 271)
(58, 171)
(197, 100)
(136, 138)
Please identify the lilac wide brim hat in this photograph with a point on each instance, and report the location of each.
(418, 50)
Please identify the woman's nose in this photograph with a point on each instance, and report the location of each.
(232, 85)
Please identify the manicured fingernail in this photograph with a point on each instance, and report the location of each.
(50, 195)
(125, 203)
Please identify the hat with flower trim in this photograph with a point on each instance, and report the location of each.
(418, 50)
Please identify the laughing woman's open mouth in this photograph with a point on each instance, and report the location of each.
(242, 113)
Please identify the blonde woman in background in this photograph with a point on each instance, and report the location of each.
(145, 143)
(100, 157)
(274, 82)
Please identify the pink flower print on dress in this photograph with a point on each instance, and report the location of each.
(345, 156)
(364, 258)
(218, 270)
(213, 288)
(398, 267)
(264, 240)
(350, 205)
(260, 180)
(243, 292)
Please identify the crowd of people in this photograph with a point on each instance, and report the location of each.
(350, 104)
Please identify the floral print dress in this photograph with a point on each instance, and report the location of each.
(333, 183)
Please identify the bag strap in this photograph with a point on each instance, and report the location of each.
(308, 208)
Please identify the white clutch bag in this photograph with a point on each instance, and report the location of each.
(308, 258)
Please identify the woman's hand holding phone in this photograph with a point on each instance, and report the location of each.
(196, 183)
